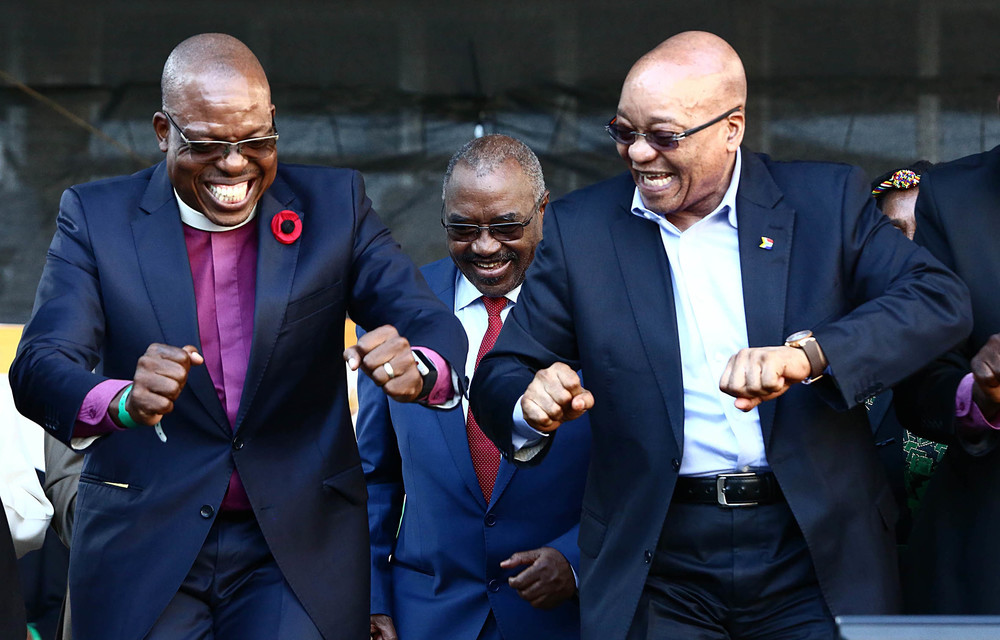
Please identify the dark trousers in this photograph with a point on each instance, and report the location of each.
(731, 573)
(234, 591)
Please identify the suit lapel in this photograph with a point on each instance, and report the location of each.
(649, 288)
(159, 243)
(763, 218)
(452, 423)
(276, 264)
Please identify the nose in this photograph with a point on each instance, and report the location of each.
(640, 152)
(485, 244)
(232, 161)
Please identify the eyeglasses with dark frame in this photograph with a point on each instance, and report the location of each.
(212, 150)
(659, 140)
(501, 231)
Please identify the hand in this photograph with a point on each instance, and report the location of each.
(382, 627)
(986, 373)
(378, 347)
(756, 375)
(547, 582)
(160, 376)
(555, 396)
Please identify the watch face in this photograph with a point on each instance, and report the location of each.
(799, 335)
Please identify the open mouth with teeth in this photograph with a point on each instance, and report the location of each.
(656, 180)
(229, 195)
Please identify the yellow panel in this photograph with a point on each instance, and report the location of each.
(10, 334)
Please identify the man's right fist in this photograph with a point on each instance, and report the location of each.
(554, 396)
(160, 376)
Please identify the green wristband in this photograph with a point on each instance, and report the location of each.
(123, 415)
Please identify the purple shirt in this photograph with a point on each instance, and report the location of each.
(968, 418)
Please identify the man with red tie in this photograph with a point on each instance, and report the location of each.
(481, 551)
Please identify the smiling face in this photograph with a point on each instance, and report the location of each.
(503, 195)
(214, 105)
(690, 180)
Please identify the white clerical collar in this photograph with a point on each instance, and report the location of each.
(466, 293)
(198, 220)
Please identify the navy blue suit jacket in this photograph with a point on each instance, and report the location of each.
(445, 572)
(949, 566)
(117, 278)
(598, 297)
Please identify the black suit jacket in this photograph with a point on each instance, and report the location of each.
(12, 619)
(949, 567)
(598, 296)
(117, 278)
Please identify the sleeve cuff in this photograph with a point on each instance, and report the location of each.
(527, 441)
(93, 419)
(444, 394)
(968, 418)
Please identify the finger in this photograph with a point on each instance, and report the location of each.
(519, 558)
(195, 357)
(352, 356)
(984, 372)
(537, 417)
(370, 340)
(582, 402)
(526, 578)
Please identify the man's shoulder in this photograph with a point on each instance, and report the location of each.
(616, 190)
(116, 184)
(793, 171)
(440, 275)
(971, 167)
(313, 174)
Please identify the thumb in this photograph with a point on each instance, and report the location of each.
(519, 558)
(192, 351)
(583, 401)
(352, 356)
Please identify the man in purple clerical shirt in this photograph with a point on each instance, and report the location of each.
(186, 335)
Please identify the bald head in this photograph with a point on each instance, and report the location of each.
(691, 88)
(216, 55)
(702, 61)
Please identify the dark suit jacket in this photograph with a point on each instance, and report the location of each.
(598, 297)
(117, 278)
(949, 567)
(445, 574)
(12, 619)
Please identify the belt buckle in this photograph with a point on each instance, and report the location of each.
(720, 489)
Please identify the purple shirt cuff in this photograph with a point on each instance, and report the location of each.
(968, 418)
(93, 419)
(443, 390)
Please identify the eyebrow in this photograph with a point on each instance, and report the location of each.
(670, 122)
(458, 218)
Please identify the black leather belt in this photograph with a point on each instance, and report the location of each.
(729, 489)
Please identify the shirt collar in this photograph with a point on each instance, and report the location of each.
(466, 293)
(198, 220)
(728, 199)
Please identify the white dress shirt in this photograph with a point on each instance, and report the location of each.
(471, 312)
(711, 326)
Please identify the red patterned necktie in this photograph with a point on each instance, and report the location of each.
(485, 456)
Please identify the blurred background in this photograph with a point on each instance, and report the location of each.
(394, 87)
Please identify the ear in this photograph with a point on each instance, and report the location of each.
(542, 205)
(162, 129)
(735, 128)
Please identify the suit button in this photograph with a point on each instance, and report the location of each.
(676, 464)
(647, 556)
(490, 520)
(238, 444)
(494, 585)
(207, 511)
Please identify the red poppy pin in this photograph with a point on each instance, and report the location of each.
(286, 226)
